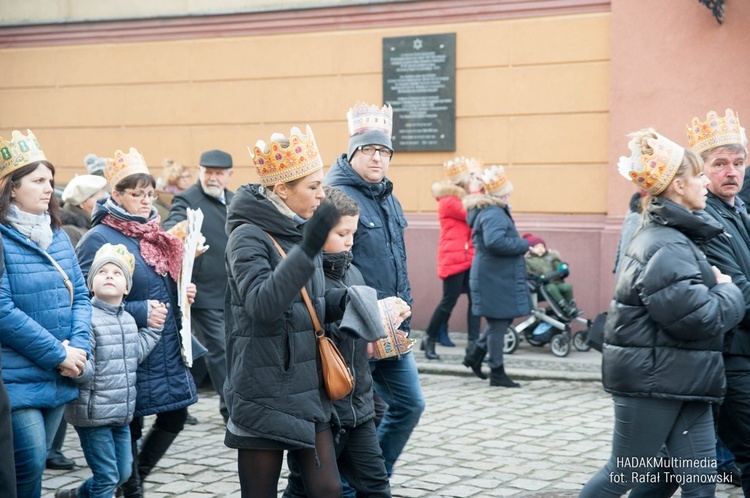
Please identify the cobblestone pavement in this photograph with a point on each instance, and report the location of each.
(541, 441)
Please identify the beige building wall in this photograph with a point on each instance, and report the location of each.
(532, 94)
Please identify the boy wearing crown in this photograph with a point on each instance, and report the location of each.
(106, 388)
(722, 143)
(380, 254)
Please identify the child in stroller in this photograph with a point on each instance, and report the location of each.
(547, 266)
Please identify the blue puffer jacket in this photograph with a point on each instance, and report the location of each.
(379, 249)
(498, 272)
(164, 382)
(36, 316)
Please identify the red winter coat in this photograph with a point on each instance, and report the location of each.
(455, 250)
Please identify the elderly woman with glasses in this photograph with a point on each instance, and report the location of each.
(165, 386)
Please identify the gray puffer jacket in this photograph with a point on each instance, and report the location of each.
(106, 388)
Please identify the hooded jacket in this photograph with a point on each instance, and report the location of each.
(164, 382)
(455, 249)
(107, 385)
(664, 332)
(273, 387)
(379, 248)
(498, 282)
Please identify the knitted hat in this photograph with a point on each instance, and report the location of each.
(369, 125)
(117, 254)
(82, 187)
(18, 152)
(95, 165)
(533, 239)
(216, 159)
(124, 165)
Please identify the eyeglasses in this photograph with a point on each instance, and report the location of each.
(369, 150)
(140, 195)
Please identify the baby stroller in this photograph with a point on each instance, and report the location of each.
(546, 324)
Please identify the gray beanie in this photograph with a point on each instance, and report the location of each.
(372, 137)
(95, 165)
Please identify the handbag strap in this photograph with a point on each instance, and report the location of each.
(305, 295)
(66, 279)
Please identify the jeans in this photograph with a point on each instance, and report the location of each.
(397, 382)
(208, 327)
(108, 454)
(492, 340)
(33, 431)
(453, 286)
(642, 427)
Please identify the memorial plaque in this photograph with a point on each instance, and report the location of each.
(419, 82)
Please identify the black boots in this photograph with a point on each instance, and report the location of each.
(473, 360)
(429, 349)
(498, 378)
(155, 444)
(132, 487)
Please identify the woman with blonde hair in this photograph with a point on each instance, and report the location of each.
(177, 177)
(662, 355)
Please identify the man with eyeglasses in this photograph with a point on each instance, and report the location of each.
(210, 195)
(380, 255)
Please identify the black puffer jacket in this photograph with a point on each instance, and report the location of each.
(663, 336)
(273, 388)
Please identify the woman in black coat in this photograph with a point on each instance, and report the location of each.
(662, 355)
(273, 389)
(499, 291)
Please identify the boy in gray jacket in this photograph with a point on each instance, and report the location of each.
(106, 393)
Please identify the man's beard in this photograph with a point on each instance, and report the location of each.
(214, 191)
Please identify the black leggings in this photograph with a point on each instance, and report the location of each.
(259, 470)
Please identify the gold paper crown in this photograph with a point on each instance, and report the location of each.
(363, 118)
(461, 167)
(652, 172)
(715, 131)
(20, 151)
(286, 159)
(118, 253)
(124, 165)
(496, 182)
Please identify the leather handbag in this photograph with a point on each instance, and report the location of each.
(338, 380)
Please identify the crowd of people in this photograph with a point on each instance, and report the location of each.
(90, 316)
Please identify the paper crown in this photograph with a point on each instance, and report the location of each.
(363, 118)
(124, 165)
(715, 131)
(286, 159)
(461, 168)
(652, 172)
(19, 151)
(496, 182)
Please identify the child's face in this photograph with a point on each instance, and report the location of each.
(539, 249)
(341, 237)
(109, 284)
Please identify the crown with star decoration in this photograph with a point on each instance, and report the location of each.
(496, 181)
(286, 159)
(716, 131)
(461, 168)
(123, 165)
(19, 151)
(363, 118)
(652, 171)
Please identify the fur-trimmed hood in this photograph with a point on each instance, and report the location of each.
(481, 201)
(446, 188)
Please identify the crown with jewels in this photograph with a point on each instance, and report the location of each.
(652, 172)
(715, 131)
(363, 118)
(124, 165)
(19, 151)
(286, 159)
(461, 168)
(496, 181)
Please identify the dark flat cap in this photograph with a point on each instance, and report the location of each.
(216, 159)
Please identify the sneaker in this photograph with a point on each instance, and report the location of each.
(66, 493)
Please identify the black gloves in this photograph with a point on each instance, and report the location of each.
(315, 231)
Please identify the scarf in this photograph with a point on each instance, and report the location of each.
(36, 227)
(159, 249)
(281, 206)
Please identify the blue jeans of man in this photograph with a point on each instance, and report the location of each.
(397, 382)
(109, 456)
(33, 431)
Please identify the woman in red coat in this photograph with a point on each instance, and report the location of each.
(455, 250)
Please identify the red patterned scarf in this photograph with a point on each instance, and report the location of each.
(161, 250)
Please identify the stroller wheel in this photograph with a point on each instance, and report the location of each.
(559, 345)
(580, 340)
(511, 341)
